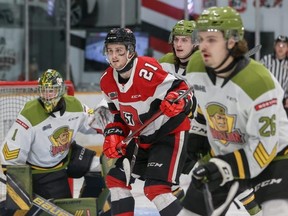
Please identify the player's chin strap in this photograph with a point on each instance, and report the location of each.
(231, 195)
(127, 166)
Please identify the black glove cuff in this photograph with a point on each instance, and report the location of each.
(238, 162)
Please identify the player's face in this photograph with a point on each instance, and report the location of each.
(182, 45)
(117, 55)
(48, 93)
(213, 47)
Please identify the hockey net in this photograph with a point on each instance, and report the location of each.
(13, 96)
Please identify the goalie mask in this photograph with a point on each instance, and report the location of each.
(51, 88)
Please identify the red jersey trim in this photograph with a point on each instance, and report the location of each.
(22, 124)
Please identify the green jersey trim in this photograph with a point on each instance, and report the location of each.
(168, 58)
(196, 63)
(35, 114)
(254, 79)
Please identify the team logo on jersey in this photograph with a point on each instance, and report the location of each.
(222, 125)
(60, 139)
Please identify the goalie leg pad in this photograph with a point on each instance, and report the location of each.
(47, 185)
(80, 162)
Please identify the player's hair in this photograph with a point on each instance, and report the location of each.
(240, 48)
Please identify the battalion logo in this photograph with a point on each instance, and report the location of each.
(222, 125)
(60, 139)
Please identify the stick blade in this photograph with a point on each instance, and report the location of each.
(127, 170)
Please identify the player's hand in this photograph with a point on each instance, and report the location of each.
(215, 173)
(114, 135)
(170, 108)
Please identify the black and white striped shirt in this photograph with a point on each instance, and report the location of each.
(279, 68)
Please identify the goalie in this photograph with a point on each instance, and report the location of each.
(43, 137)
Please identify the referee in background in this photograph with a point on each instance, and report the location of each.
(277, 63)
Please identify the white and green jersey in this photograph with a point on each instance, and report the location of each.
(245, 120)
(168, 64)
(44, 140)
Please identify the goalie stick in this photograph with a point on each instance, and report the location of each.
(127, 166)
(38, 201)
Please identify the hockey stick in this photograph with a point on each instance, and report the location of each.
(209, 202)
(127, 166)
(38, 201)
(208, 199)
(231, 195)
(253, 51)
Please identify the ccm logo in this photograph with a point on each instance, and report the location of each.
(267, 183)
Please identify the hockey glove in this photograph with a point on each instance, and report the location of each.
(102, 117)
(170, 108)
(114, 133)
(215, 173)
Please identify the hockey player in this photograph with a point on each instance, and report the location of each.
(135, 87)
(43, 137)
(182, 40)
(245, 121)
(183, 46)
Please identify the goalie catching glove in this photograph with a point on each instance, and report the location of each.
(172, 106)
(215, 173)
(114, 134)
(100, 117)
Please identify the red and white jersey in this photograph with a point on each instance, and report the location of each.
(139, 98)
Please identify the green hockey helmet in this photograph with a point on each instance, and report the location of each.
(51, 88)
(183, 28)
(224, 19)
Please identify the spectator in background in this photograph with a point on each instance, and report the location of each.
(277, 63)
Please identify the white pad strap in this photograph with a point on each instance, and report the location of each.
(95, 165)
